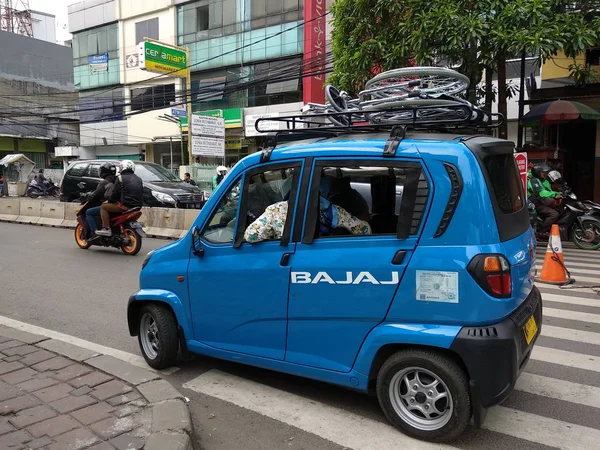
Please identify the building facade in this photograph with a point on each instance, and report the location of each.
(38, 102)
(248, 58)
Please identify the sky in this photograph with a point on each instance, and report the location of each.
(59, 9)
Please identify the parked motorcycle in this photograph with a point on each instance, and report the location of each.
(34, 190)
(127, 231)
(576, 223)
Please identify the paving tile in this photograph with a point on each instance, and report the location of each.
(10, 344)
(127, 442)
(6, 367)
(158, 391)
(102, 446)
(12, 358)
(81, 391)
(15, 439)
(122, 399)
(56, 363)
(38, 443)
(70, 403)
(36, 384)
(20, 335)
(7, 391)
(21, 350)
(75, 440)
(32, 415)
(91, 379)
(113, 426)
(53, 427)
(53, 393)
(37, 357)
(72, 371)
(5, 427)
(126, 410)
(19, 376)
(94, 413)
(17, 404)
(110, 389)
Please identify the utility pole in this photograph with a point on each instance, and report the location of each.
(521, 101)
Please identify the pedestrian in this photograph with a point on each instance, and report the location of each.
(188, 179)
(2, 184)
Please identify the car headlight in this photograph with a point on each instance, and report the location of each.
(161, 197)
(147, 259)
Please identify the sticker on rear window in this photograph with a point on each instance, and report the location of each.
(434, 286)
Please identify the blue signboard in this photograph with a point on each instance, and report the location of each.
(98, 63)
(178, 112)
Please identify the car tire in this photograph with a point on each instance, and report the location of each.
(407, 396)
(157, 336)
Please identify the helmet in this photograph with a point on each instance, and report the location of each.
(107, 169)
(539, 168)
(127, 164)
(221, 169)
(554, 175)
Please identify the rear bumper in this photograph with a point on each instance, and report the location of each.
(496, 355)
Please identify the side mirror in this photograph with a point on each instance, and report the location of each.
(197, 248)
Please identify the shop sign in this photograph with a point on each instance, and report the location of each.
(162, 59)
(233, 143)
(208, 146)
(98, 63)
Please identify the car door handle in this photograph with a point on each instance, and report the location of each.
(285, 259)
(398, 257)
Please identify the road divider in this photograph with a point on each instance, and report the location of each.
(168, 223)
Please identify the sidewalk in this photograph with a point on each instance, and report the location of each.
(56, 396)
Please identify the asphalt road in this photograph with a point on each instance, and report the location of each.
(47, 281)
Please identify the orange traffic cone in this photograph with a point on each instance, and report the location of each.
(553, 270)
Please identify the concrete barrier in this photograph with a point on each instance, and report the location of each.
(158, 222)
(52, 214)
(29, 211)
(9, 209)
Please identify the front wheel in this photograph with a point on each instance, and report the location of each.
(587, 236)
(31, 193)
(135, 243)
(425, 394)
(157, 336)
(80, 237)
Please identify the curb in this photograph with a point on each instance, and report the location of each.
(171, 424)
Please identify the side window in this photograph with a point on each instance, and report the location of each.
(367, 199)
(93, 171)
(266, 204)
(221, 226)
(78, 169)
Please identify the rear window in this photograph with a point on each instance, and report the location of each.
(505, 182)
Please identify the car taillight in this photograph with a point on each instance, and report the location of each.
(492, 273)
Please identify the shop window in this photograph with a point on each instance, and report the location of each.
(153, 97)
(146, 29)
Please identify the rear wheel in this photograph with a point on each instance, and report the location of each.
(32, 193)
(157, 336)
(425, 394)
(135, 242)
(80, 238)
(587, 237)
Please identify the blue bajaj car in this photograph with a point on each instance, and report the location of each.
(392, 263)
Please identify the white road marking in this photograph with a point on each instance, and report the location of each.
(576, 270)
(542, 430)
(559, 389)
(571, 315)
(572, 300)
(337, 425)
(570, 334)
(136, 360)
(564, 358)
(580, 288)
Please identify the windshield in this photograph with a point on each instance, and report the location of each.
(153, 173)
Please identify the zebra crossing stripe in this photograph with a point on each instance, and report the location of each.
(564, 358)
(559, 389)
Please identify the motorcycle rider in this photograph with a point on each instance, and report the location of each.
(543, 197)
(108, 173)
(221, 172)
(127, 193)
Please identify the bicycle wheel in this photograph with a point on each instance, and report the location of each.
(427, 80)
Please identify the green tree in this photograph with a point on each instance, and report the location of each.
(474, 36)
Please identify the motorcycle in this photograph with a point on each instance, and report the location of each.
(127, 231)
(576, 222)
(34, 190)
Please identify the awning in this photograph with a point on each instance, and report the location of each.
(9, 159)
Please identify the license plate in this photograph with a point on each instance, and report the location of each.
(530, 330)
